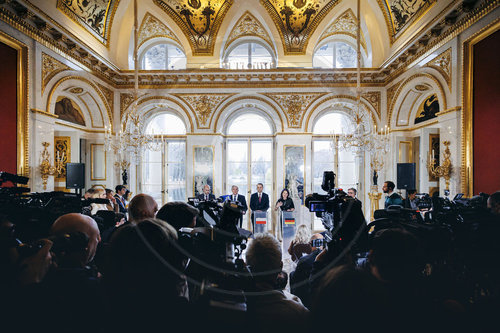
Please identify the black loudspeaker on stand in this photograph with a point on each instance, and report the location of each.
(406, 176)
(75, 175)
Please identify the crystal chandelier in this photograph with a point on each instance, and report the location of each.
(132, 140)
(363, 139)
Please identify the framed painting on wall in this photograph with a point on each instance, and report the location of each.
(203, 168)
(294, 167)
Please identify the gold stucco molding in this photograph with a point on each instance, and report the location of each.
(398, 88)
(203, 106)
(151, 27)
(95, 88)
(442, 63)
(294, 105)
(344, 24)
(248, 25)
(50, 68)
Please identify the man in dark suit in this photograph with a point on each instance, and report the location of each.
(120, 200)
(206, 195)
(259, 202)
(238, 198)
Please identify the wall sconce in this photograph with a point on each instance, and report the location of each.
(46, 169)
(443, 170)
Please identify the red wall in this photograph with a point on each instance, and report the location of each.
(8, 109)
(486, 114)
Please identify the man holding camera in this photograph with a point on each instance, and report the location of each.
(299, 279)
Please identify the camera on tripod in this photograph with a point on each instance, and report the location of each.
(340, 214)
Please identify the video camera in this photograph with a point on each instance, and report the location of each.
(216, 250)
(340, 214)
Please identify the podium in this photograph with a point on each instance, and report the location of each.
(259, 222)
(288, 228)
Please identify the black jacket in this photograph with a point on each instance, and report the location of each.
(241, 199)
(262, 205)
(201, 197)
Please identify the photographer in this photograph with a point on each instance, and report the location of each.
(299, 279)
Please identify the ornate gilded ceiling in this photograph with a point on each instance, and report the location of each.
(400, 14)
(95, 16)
(296, 20)
(199, 20)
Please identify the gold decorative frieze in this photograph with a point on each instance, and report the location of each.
(203, 106)
(374, 98)
(126, 99)
(95, 16)
(345, 24)
(50, 68)
(108, 97)
(76, 90)
(401, 14)
(297, 20)
(62, 151)
(151, 27)
(294, 105)
(391, 92)
(248, 25)
(199, 20)
(442, 63)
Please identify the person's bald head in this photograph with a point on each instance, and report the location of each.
(141, 207)
(75, 222)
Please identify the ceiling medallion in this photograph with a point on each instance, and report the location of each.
(199, 20)
(296, 22)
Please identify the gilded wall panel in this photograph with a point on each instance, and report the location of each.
(248, 25)
(294, 105)
(442, 63)
(203, 105)
(62, 150)
(345, 24)
(50, 68)
(151, 27)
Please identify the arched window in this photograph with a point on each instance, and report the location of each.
(335, 55)
(164, 171)
(328, 157)
(333, 122)
(249, 155)
(163, 56)
(249, 55)
(167, 124)
(249, 124)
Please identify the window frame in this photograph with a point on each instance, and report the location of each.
(231, 47)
